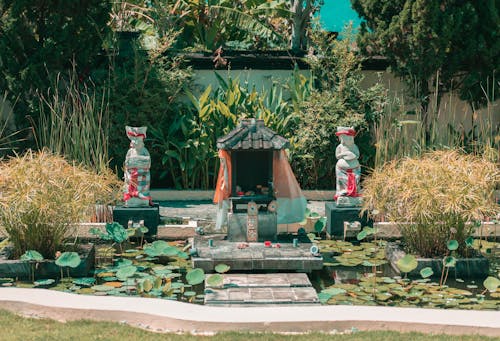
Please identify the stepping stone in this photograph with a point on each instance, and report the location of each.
(261, 289)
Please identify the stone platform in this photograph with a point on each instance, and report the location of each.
(262, 289)
(256, 256)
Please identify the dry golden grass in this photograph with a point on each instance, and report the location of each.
(42, 196)
(433, 197)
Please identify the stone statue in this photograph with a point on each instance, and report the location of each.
(136, 172)
(347, 169)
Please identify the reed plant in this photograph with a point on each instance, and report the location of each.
(74, 122)
(42, 196)
(400, 132)
(434, 197)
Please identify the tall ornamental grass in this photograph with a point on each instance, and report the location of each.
(42, 196)
(434, 198)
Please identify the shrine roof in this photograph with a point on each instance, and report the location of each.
(252, 134)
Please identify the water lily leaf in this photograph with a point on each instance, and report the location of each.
(121, 262)
(195, 276)
(109, 278)
(70, 259)
(452, 245)
(43, 282)
(222, 268)
(469, 242)
(324, 297)
(491, 283)
(117, 232)
(334, 291)
(449, 261)
(126, 271)
(189, 293)
(84, 281)
(32, 255)
(147, 285)
(426, 272)
(361, 235)
(407, 263)
(320, 224)
(215, 280)
(102, 287)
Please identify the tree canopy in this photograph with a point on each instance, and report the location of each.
(452, 43)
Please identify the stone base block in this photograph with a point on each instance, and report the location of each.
(336, 216)
(150, 215)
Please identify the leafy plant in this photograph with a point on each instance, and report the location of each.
(32, 257)
(114, 232)
(195, 276)
(68, 260)
(433, 197)
(43, 196)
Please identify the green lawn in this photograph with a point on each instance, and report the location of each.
(14, 327)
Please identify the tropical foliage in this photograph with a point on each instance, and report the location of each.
(431, 42)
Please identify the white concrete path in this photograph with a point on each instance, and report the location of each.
(164, 315)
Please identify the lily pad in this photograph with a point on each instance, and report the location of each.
(407, 263)
(70, 259)
(215, 280)
(491, 283)
(102, 288)
(195, 276)
(84, 281)
(222, 268)
(32, 255)
(126, 271)
(449, 261)
(426, 272)
(452, 245)
(43, 282)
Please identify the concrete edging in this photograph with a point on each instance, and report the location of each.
(168, 316)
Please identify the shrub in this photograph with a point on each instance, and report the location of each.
(434, 197)
(42, 196)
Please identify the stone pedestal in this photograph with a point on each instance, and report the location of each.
(264, 225)
(150, 215)
(336, 216)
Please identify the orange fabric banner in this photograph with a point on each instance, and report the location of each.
(223, 188)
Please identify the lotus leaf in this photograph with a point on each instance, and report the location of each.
(32, 255)
(449, 261)
(85, 291)
(222, 268)
(102, 287)
(121, 262)
(361, 235)
(215, 280)
(70, 259)
(43, 282)
(161, 270)
(324, 297)
(491, 283)
(109, 278)
(426, 272)
(189, 293)
(117, 232)
(85, 281)
(407, 263)
(195, 276)
(469, 242)
(4, 280)
(126, 271)
(320, 224)
(334, 291)
(452, 245)
(147, 285)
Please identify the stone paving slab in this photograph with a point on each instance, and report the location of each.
(264, 289)
(254, 257)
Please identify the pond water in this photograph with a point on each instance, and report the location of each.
(353, 274)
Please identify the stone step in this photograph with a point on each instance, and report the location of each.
(261, 289)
